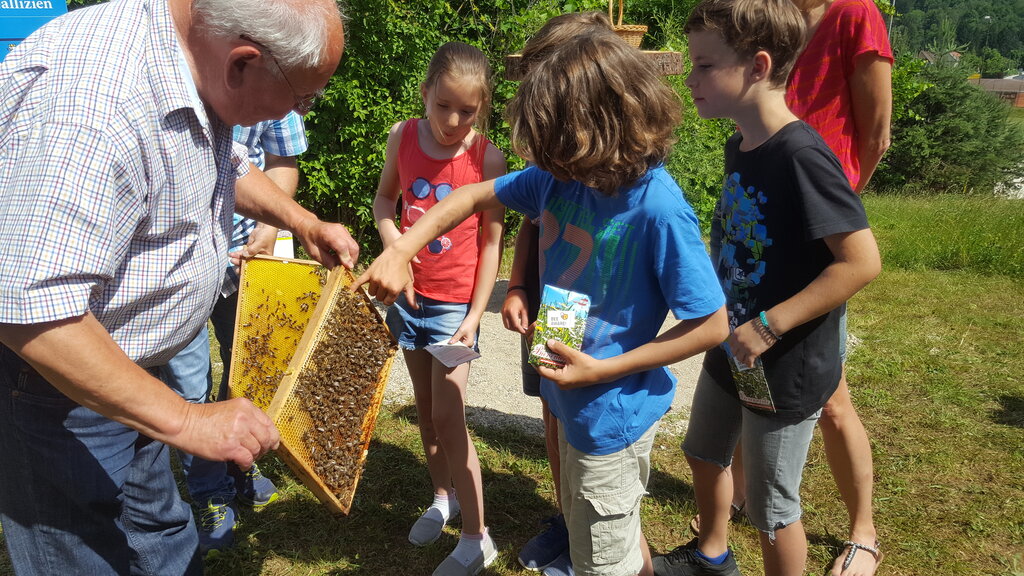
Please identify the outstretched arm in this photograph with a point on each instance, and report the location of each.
(79, 358)
(283, 171)
(685, 339)
(257, 197)
(388, 275)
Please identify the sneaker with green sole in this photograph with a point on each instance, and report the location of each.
(217, 523)
(252, 488)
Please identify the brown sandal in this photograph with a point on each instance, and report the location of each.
(735, 515)
(854, 547)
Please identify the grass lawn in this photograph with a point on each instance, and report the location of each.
(936, 377)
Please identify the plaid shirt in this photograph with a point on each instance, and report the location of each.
(280, 137)
(116, 189)
(284, 137)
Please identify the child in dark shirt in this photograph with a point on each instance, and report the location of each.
(791, 244)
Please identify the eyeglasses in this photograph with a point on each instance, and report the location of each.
(302, 105)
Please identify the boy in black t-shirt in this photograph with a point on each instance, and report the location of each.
(791, 244)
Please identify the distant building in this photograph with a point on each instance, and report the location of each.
(949, 58)
(1010, 90)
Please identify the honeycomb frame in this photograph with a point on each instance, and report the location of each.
(265, 339)
(344, 333)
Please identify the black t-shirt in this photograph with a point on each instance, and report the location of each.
(779, 201)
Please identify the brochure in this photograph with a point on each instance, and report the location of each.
(563, 317)
(451, 355)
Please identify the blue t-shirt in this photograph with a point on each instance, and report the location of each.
(637, 255)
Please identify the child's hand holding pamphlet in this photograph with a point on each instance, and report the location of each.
(452, 354)
(563, 317)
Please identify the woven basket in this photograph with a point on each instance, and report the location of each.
(633, 34)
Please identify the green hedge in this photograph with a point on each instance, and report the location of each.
(950, 137)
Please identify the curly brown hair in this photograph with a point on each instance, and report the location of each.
(750, 26)
(561, 29)
(594, 111)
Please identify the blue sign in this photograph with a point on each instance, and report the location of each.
(19, 18)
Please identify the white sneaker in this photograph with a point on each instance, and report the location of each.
(427, 527)
(468, 558)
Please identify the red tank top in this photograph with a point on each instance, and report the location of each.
(447, 267)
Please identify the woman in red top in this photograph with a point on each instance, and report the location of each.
(842, 86)
(426, 160)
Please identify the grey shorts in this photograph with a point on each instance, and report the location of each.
(774, 451)
(601, 502)
(531, 378)
(842, 337)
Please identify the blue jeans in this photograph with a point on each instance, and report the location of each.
(82, 494)
(189, 374)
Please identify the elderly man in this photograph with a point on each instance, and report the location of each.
(117, 173)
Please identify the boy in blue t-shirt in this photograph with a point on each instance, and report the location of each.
(791, 244)
(614, 226)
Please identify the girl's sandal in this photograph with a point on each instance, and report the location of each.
(854, 547)
(735, 514)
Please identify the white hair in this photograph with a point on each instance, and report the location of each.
(294, 31)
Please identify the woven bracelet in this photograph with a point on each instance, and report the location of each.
(763, 332)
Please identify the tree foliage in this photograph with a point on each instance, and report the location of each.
(974, 25)
(958, 139)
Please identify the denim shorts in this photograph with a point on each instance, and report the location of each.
(531, 378)
(774, 451)
(601, 502)
(434, 322)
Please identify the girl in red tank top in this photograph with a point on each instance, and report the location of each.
(426, 160)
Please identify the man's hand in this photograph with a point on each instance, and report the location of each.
(234, 431)
(580, 369)
(329, 244)
(261, 241)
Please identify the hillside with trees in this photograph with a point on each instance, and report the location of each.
(989, 33)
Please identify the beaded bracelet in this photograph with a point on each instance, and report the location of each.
(766, 333)
(764, 322)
